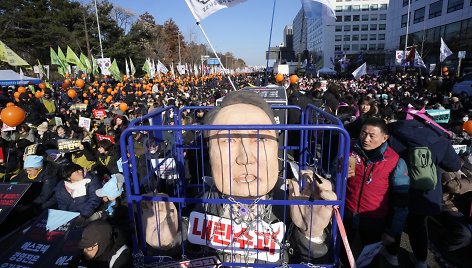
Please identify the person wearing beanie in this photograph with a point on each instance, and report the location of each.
(44, 176)
(104, 246)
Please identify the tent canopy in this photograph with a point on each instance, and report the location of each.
(10, 77)
(326, 70)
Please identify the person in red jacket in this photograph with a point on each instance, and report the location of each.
(377, 188)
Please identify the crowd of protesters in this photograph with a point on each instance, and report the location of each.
(88, 180)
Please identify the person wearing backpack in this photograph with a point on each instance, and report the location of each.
(429, 153)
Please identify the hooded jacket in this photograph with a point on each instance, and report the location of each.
(407, 134)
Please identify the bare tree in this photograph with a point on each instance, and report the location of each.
(123, 17)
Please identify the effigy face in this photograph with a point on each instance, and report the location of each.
(244, 162)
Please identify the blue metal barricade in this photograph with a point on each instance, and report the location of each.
(181, 175)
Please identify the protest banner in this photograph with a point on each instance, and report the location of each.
(40, 247)
(67, 146)
(10, 194)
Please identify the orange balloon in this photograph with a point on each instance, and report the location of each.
(72, 93)
(21, 89)
(38, 94)
(42, 85)
(100, 96)
(86, 101)
(293, 79)
(16, 95)
(10, 104)
(109, 90)
(279, 78)
(13, 116)
(123, 106)
(467, 126)
(101, 89)
(108, 100)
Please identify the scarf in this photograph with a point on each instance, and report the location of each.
(77, 189)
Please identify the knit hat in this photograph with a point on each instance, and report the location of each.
(97, 232)
(113, 188)
(43, 127)
(33, 161)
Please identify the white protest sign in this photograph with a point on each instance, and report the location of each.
(85, 122)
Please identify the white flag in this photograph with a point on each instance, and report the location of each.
(362, 70)
(161, 67)
(418, 60)
(126, 67)
(310, 11)
(153, 68)
(444, 51)
(204, 8)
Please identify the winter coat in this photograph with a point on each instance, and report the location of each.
(407, 134)
(46, 181)
(86, 204)
(380, 183)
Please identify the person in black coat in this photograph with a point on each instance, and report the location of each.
(44, 176)
(406, 135)
(76, 192)
(35, 111)
(104, 246)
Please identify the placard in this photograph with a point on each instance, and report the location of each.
(32, 149)
(207, 262)
(260, 242)
(78, 106)
(99, 113)
(440, 116)
(10, 194)
(461, 148)
(167, 170)
(58, 121)
(85, 122)
(67, 146)
(105, 137)
(6, 127)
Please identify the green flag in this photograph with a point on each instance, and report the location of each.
(71, 57)
(146, 67)
(54, 58)
(61, 55)
(115, 71)
(85, 61)
(9, 56)
(94, 66)
(42, 72)
(131, 66)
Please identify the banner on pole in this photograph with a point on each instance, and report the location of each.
(104, 64)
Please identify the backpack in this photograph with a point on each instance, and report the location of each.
(422, 170)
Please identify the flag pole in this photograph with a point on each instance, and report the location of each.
(268, 50)
(216, 55)
(406, 36)
(98, 26)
